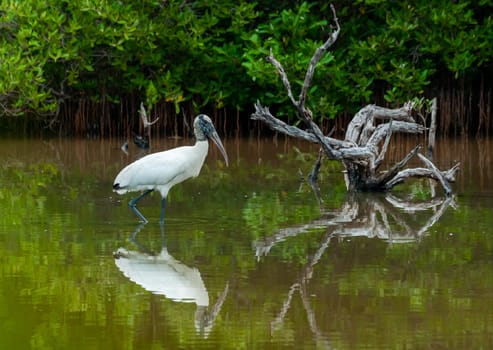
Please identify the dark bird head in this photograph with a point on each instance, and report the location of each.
(141, 141)
(203, 129)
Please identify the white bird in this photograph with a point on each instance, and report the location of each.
(162, 170)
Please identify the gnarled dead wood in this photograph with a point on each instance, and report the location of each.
(367, 137)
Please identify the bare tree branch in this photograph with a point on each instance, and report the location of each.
(420, 173)
(433, 129)
(437, 173)
(284, 76)
(383, 179)
(361, 152)
(381, 156)
(319, 53)
(263, 114)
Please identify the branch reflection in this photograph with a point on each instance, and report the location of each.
(162, 274)
(386, 217)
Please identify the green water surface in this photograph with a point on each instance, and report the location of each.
(248, 257)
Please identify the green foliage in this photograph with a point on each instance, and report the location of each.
(54, 50)
(420, 191)
(28, 201)
(394, 47)
(404, 46)
(292, 35)
(213, 53)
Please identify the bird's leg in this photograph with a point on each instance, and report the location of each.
(163, 206)
(134, 201)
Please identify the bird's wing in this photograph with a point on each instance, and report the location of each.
(154, 170)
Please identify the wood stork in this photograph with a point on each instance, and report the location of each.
(162, 170)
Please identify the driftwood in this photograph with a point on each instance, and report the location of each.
(367, 136)
(141, 141)
(144, 140)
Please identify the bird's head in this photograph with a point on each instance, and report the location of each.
(203, 128)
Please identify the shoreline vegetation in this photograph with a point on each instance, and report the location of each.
(459, 113)
(83, 69)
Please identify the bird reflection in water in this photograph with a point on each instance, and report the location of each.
(162, 274)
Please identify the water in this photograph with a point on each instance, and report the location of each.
(248, 258)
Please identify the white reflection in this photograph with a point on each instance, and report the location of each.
(162, 274)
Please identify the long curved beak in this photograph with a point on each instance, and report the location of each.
(215, 138)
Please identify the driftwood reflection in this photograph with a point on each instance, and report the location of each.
(162, 274)
(300, 286)
(384, 217)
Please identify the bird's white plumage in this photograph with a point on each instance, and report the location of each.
(162, 170)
